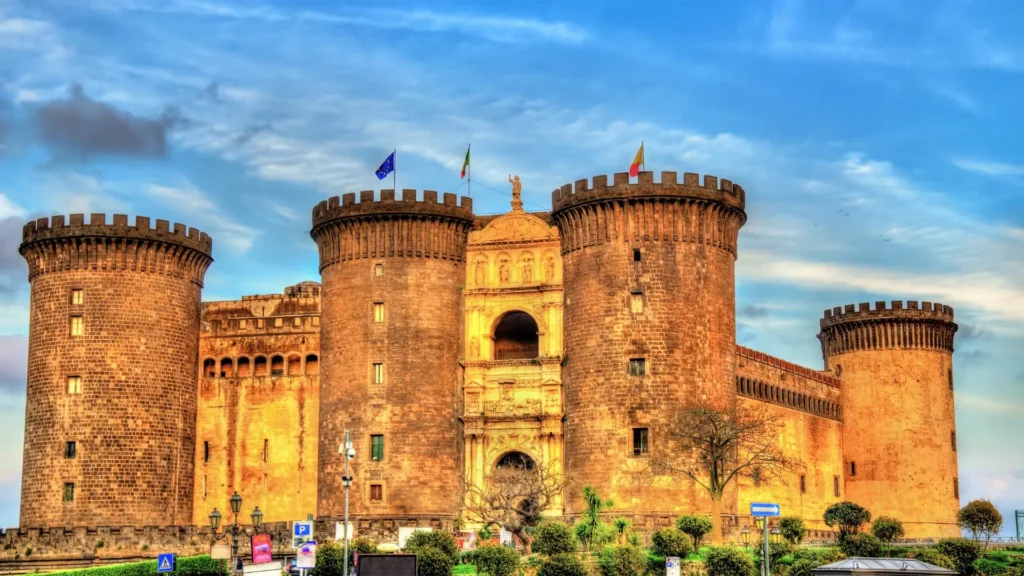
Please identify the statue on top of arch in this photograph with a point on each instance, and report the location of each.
(517, 189)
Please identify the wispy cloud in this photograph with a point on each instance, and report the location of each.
(961, 99)
(8, 208)
(222, 228)
(989, 405)
(987, 167)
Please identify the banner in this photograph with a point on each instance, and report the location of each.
(306, 557)
(261, 553)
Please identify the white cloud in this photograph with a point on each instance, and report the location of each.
(989, 405)
(286, 212)
(205, 214)
(958, 97)
(989, 168)
(8, 208)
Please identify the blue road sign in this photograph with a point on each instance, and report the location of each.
(165, 563)
(762, 509)
(302, 529)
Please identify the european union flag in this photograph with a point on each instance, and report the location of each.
(387, 167)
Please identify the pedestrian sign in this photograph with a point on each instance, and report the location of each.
(762, 509)
(165, 563)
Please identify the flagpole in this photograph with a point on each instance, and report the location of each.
(469, 171)
(394, 170)
(644, 163)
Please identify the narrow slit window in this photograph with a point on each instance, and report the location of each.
(641, 444)
(853, 468)
(949, 376)
(377, 447)
(266, 449)
(77, 327)
(76, 297)
(636, 302)
(206, 451)
(70, 449)
(378, 372)
(69, 491)
(636, 255)
(803, 484)
(952, 439)
(835, 485)
(956, 488)
(74, 384)
(376, 493)
(637, 367)
(378, 269)
(378, 311)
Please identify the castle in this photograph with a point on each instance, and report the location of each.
(446, 343)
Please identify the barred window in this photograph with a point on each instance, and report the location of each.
(76, 326)
(69, 491)
(76, 296)
(376, 493)
(641, 446)
(637, 367)
(74, 384)
(378, 372)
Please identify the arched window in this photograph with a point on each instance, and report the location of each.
(516, 337)
(243, 367)
(517, 460)
(294, 365)
(277, 366)
(227, 370)
(260, 366)
(210, 368)
(312, 365)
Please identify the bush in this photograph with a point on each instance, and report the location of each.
(887, 530)
(792, 529)
(562, 564)
(362, 546)
(726, 561)
(935, 558)
(594, 536)
(551, 538)
(330, 557)
(671, 542)
(961, 551)
(695, 526)
(622, 561)
(862, 545)
(847, 517)
(497, 560)
(998, 556)
(656, 564)
(776, 550)
(988, 567)
(442, 541)
(433, 562)
(803, 567)
(192, 566)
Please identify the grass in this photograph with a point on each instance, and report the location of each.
(464, 570)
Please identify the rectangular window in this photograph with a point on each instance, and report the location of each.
(835, 485)
(259, 323)
(242, 323)
(641, 447)
(266, 449)
(278, 322)
(378, 311)
(204, 487)
(76, 297)
(69, 492)
(636, 302)
(69, 449)
(757, 477)
(952, 439)
(636, 254)
(74, 384)
(637, 367)
(853, 468)
(376, 493)
(76, 326)
(377, 447)
(949, 376)
(378, 372)
(206, 451)
(378, 269)
(803, 484)
(956, 488)
(297, 322)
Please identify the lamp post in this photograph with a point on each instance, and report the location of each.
(348, 453)
(745, 536)
(235, 530)
(762, 524)
(776, 534)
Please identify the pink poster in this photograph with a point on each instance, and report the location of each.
(261, 553)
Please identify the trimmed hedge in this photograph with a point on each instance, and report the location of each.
(563, 564)
(551, 538)
(442, 541)
(727, 561)
(671, 542)
(191, 566)
(497, 560)
(622, 561)
(433, 562)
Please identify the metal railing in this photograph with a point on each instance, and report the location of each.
(504, 351)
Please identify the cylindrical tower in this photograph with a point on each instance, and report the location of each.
(390, 335)
(650, 324)
(899, 429)
(113, 345)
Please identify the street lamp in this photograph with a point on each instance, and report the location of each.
(745, 535)
(348, 453)
(762, 525)
(776, 534)
(234, 529)
(257, 519)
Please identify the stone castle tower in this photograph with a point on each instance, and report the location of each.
(111, 399)
(899, 429)
(392, 274)
(650, 314)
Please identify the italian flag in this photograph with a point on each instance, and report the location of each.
(634, 168)
(465, 164)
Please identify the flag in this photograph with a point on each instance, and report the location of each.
(465, 164)
(387, 167)
(634, 168)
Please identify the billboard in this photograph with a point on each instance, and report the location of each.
(387, 565)
(261, 552)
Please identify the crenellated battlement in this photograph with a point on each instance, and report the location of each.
(883, 310)
(712, 189)
(58, 243)
(144, 229)
(895, 325)
(346, 205)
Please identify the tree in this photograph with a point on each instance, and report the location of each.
(847, 517)
(696, 527)
(792, 529)
(713, 446)
(552, 538)
(590, 530)
(622, 526)
(514, 497)
(887, 530)
(980, 518)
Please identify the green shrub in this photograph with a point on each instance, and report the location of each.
(803, 567)
(442, 541)
(986, 567)
(622, 561)
(433, 562)
(594, 536)
(497, 560)
(192, 566)
(776, 550)
(330, 559)
(961, 551)
(887, 530)
(694, 526)
(862, 545)
(847, 517)
(998, 556)
(362, 546)
(551, 538)
(792, 528)
(671, 542)
(727, 561)
(656, 564)
(562, 564)
(934, 557)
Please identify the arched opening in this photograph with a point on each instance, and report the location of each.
(210, 368)
(243, 367)
(312, 365)
(226, 368)
(294, 365)
(516, 460)
(277, 366)
(260, 366)
(516, 337)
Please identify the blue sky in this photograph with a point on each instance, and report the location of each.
(879, 144)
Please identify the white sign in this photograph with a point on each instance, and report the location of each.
(405, 531)
(306, 557)
(220, 552)
(266, 568)
(339, 531)
(671, 566)
(504, 537)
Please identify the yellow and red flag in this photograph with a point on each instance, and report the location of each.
(634, 168)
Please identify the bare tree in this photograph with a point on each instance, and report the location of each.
(513, 496)
(714, 446)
